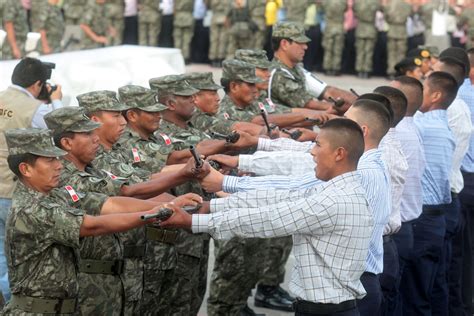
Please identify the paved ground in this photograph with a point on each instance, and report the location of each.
(345, 82)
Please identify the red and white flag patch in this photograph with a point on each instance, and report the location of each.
(261, 106)
(136, 155)
(110, 174)
(166, 138)
(270, 103)
(226, 116)
(72, 193)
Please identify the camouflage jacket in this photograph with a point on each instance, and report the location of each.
(45, 16)
(296, 10)
(364, 11)
(114, 162)
(396, 15)
(149, 11)
(148, 154)
(210, 123)
(257, 13)
(288, 86)
(271, 109)
(229, 111)
(93, 16)
(183, 13)
(334, 13)
(220, 9)
(42, 239)
(115, 9)
(74, 9)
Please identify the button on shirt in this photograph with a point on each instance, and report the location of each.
(375, 180)
(330, 224)
(397, 166)
(466, 93)
(459, 120)
(438, 143)
(411, 203)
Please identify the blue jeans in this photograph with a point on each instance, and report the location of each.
(5, 205)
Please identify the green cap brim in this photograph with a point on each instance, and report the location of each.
(213, 87)
(49, 152)
(301, 39)
(158, 107)
(253, 80)
(82, 127)
(187, 92)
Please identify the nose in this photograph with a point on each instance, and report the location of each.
(122, 121)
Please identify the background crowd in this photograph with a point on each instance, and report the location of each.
(367, 37)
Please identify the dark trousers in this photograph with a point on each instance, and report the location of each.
(313, 57)
(467, 210)
(390, 278)
(404, 241)
(422, 268)
(200, 43)
(306, 308)
(165, 38)
(352, 312)
(370, 304)
(130, 31)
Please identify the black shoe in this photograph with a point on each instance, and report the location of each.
(337, 73)
(247, 311)
(187, 61)
(360, 75)
(269, 297)
(283, 293)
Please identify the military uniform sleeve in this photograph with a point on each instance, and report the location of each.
(92, 203)
(288, 91)
(9, 13)
(41, 15)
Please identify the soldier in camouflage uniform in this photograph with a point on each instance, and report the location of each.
(149, 22)
(366, 34)
(396, 14)
(73, 11)
(426, 14)
(296, 10)
(183, 26)
(14, 17)
(47, 19)
(94, 25)
(257, 13)
(218, 36)
(241, 27)
(42, 255)
(115, 10)
(333, 37)
(467, 19)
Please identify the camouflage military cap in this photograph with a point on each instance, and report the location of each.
(34, 141)
(137, 97)
(103, 100)
(256, 57)
(175, 84)
(202, 81)
(234, 69)
(69, 119)
(291, 30)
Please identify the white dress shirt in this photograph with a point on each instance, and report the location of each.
(459, 121)
(43, 108)
(397, 166)
(167, 7)
(411, 203)
(281, 144)
(331, 225)
(289, 163)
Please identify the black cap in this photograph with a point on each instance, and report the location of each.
(459, 55)
(29, 70)
(407, 63)
(419, 52)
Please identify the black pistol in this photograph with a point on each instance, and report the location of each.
(162, 215)
(232, 138)
(293, 135)
(313, 121)
(197, 159)
(338, 103)
(269, 126)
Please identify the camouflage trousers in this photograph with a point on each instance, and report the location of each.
(258, 39)
(118, 25)
(100, 294)
(218, 42)
(396, 49)
(236, 43)
(182, 39)
(236, 269)
(200, 290)
(148, 32)
(6, 50)
(132, 278)
(277, 251)
(333, 45)
(364, 54)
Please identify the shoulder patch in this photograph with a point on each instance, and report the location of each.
(136, 155)
(166, 138)
(72, 193)
(226, 115)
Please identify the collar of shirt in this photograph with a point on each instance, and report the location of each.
(17, 87)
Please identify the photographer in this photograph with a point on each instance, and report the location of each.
(22, 105)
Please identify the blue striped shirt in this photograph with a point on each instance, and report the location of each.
(466, 93)
(374, 178)
(438, 143)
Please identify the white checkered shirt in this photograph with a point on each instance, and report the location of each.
(331, 225)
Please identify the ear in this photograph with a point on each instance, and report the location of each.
(25, 169)
(365, 130)
(95, 119)
(341, 154)
(132, 116)
(66, 144)
(233, 86)
(436, 96)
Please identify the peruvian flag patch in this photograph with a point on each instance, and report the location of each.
(72, 193)
(166, 138)
(226, 116)
(136, 156)
(270, 103)
(261, 106)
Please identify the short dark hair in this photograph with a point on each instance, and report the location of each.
(29, 70)
(413, 90)
(453, 67)
(57, 137)
(398, 102)
(349, 136)
(14, 162)
(409, 81)
(377, 115)
(225, 83)
(446, 83)
(470, 54)
(276, 42)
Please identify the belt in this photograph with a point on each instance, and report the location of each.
(434, 212)
(42, 305)
(114, 267)
(387, 238)
(161, 235)
(130, 251)
(302, 306)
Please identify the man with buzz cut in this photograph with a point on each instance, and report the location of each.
(290, 84)
(48, 226)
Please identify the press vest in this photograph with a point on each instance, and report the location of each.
(16, 111)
